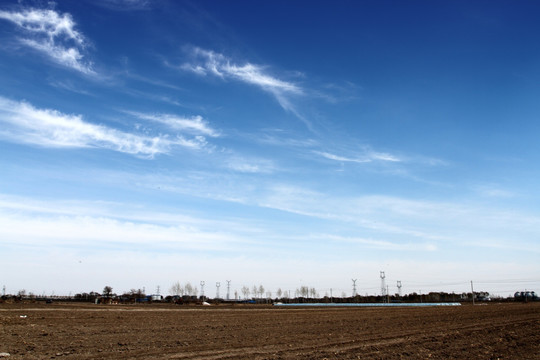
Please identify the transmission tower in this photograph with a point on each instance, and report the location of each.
(354, 287)
(202, 289)
(228, 289)
(218, 284)
(383, 284)
(399, 287)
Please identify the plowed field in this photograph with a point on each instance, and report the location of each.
(494, 331)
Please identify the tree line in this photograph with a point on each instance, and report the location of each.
(188, 292)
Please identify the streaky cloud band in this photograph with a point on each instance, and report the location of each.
(26, 124)
(52, 34)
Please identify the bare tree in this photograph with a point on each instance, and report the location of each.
(245, 291)
(255, 291)
(279, 293)
(176, 289)
(261, 291)
(189, 289)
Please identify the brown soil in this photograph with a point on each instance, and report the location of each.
(494, 331)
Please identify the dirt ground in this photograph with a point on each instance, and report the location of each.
(58, 331)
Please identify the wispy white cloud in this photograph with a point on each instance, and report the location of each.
(207, 62)
(337, 93)
(282, 139)
(75, 230)
(31, 222)
(381, 244)
(23, 123)
(383, 157)
(118, 211)
(151, 81)
(52, 34)
(381, 218)
(42, 227)
(421, 224)
(495, 243)
(68, 85)
(365, 158)
(124, 5)
(340, 158)
(250, 165)
(412, 220)
(494, 191)
(194, 124)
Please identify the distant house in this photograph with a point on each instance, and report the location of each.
(154, 297)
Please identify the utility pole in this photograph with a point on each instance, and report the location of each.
(472, 291)
(383, 284)
(228, 289)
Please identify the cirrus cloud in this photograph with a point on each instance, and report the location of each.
(194, 124)
(52, 34)
(207, 62)
(24, 123)
(365, 158)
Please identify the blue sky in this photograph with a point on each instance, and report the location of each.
(276, 143)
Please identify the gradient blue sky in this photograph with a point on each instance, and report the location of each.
(282, 143)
